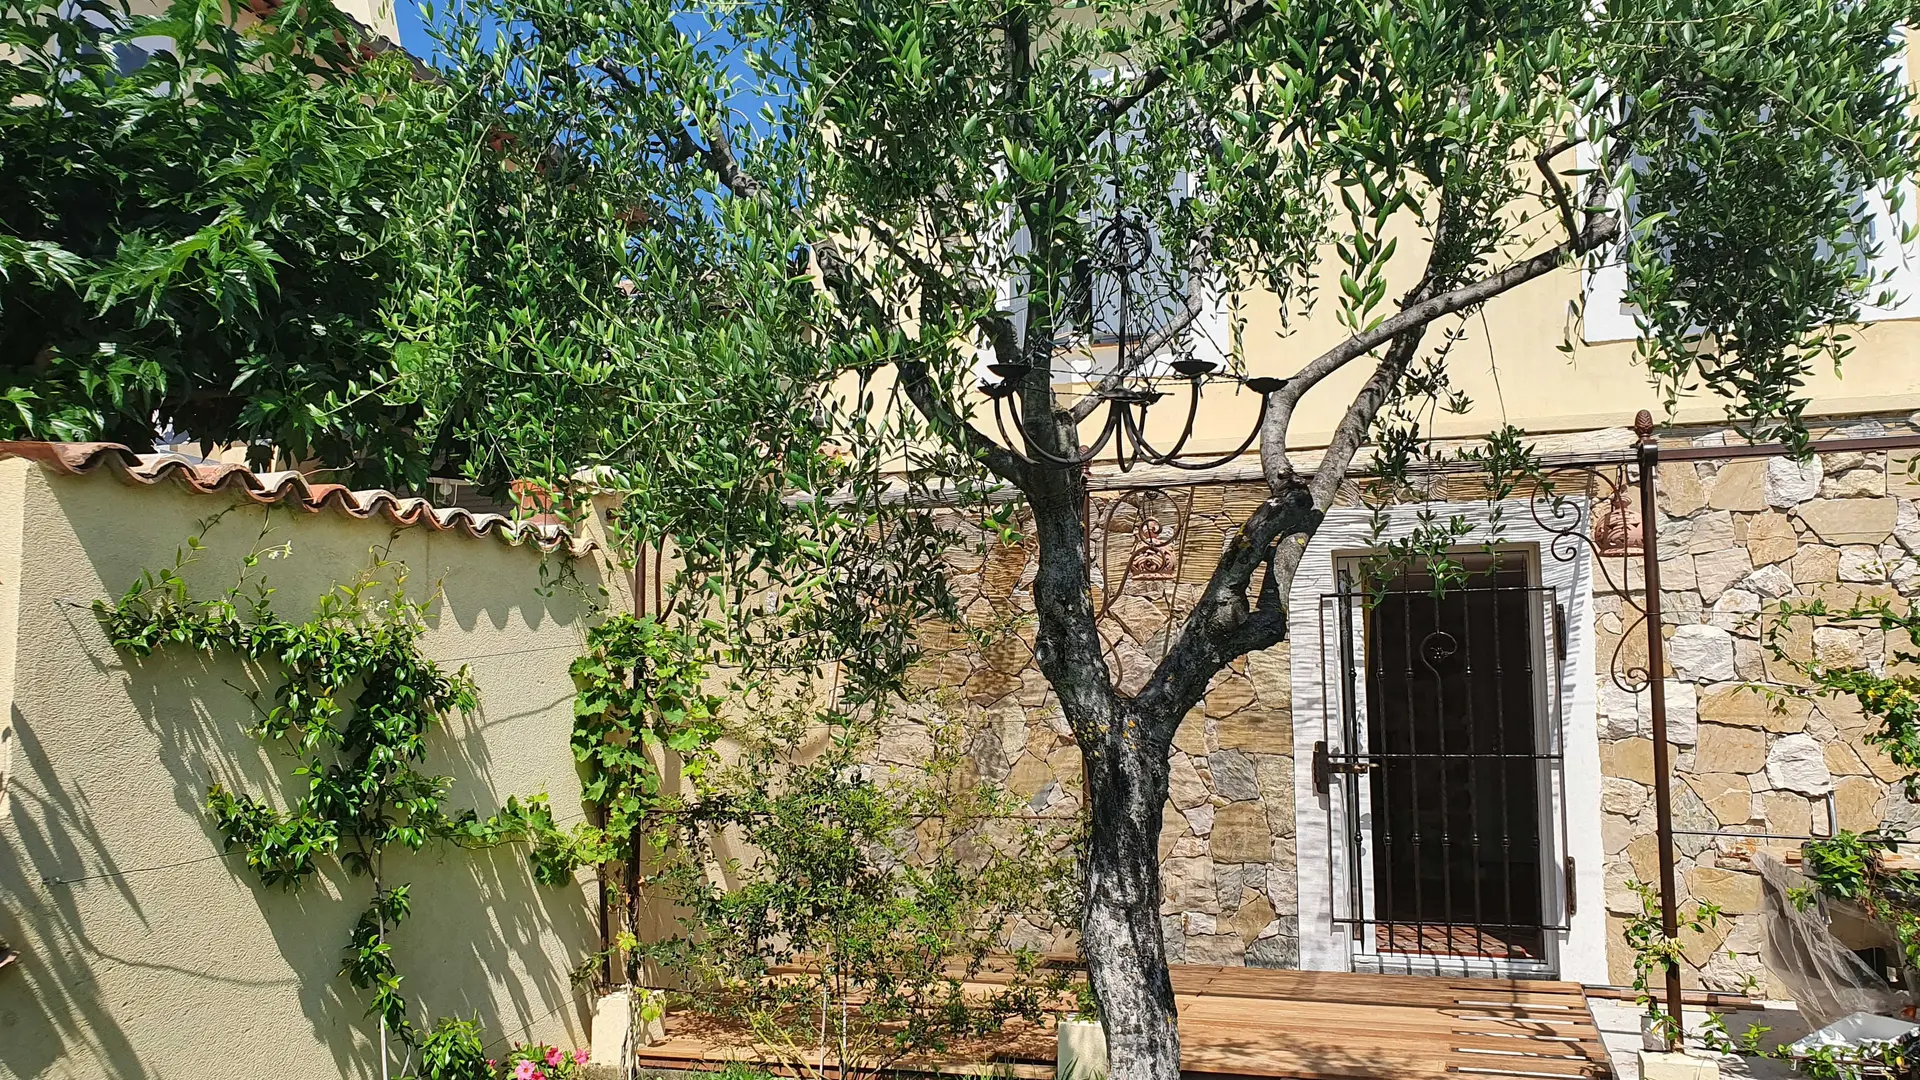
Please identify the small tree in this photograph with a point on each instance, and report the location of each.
(836, 911)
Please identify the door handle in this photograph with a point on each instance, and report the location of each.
(1324, 767)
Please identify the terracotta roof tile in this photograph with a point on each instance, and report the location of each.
(288, 489)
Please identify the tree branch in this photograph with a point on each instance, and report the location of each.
(1600, 229)
(926, 398)
(1156, 77)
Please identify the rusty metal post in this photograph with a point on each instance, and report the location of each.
(1649, 452)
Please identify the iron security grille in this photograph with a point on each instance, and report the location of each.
(1446, 766)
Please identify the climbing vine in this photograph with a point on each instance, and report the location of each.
(640, 693)
(354, 702)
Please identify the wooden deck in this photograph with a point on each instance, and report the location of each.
(1295, 1025)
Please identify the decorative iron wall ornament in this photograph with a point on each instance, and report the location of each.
(1612, 539)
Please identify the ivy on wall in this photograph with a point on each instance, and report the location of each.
(354, 703)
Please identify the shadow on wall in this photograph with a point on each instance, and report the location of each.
(145, 951)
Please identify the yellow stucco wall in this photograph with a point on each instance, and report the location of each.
(1510, 364)
(169, 961)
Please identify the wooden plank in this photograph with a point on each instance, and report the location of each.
(1249, 1024)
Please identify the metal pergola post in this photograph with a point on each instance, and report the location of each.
(1649, 453)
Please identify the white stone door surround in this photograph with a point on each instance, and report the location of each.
(1346, 532)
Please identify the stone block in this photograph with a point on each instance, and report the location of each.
(1770, 538)
(1028, 775)
(1282, 950)
(1747, 706)
(1677, 574)
(1643, 858)
(1229, 694)
(1233, 776)
(1199, 819)
(1628, 759)
(1846, 647)
(1863, 565)
(1701, 653)
(1739, 485)
(1850, 521)
(612, 1024)
(1256, 731)
(1276, 776)
(1679, 489)
(1770, 582)
(1787, 813)
(1271, 672)
(1683, 712)
(1616, 833)
(1856, 803)
(1797, 763)
(1815, 563)
(1619, 713)
(1625, 798)
(1903, 474)
(1698, 946)
(1860, 483)
(1223, 950)
(1790, 482)
(1711, 532)
(1666, 1066)
(1730, 750)
(1191, 736)
(1253, 918)
(1716, 571)
(1186, 885)
(1795, 640)
(1727, 795)
(1737, 892)
(1241, 834)
(1844, 760)
(1173, 826)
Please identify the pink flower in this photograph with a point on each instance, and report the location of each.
(526, 1070)
(555, 1057)
(579, 1057)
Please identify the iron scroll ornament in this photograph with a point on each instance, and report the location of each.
(1614, 533)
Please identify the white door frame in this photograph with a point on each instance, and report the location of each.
(1316, 678)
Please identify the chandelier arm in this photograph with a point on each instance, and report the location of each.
(1186, 432)
(1037, 455)
(1199, 466)
(1000, 421)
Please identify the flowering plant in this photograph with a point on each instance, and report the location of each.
(537, 1061)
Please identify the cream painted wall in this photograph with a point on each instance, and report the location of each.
(195, 969)
(1510, 364)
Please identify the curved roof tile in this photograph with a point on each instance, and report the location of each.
(289, 489)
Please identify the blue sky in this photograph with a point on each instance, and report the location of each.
(413, 33)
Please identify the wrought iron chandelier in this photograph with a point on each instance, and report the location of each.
(1123, 249)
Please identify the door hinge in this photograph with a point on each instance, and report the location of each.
(1573, 897)
(1324, 767)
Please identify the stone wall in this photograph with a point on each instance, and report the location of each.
(1736, 538)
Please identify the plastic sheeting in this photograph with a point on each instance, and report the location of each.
(1813, 952)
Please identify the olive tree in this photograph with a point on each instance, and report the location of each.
(950, 173)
